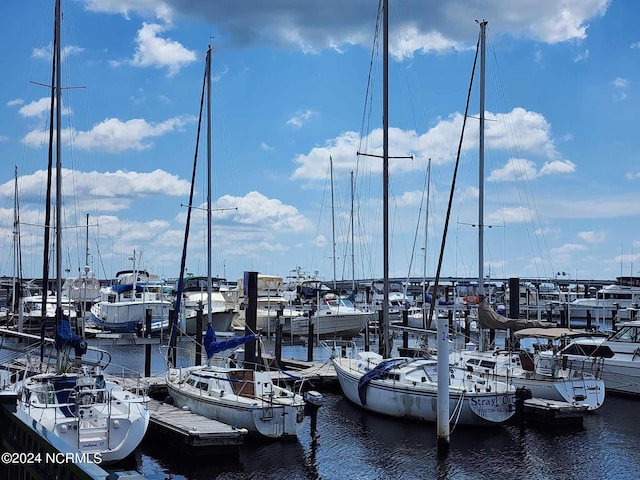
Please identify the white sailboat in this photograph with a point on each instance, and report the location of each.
(240, 397)
(413, 387)
(76, 403)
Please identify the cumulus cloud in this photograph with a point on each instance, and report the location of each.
(418, 26)
(113, 135)
(529, 130)
(113, 190)
(154, 51)
(40, 107)
(258, 210)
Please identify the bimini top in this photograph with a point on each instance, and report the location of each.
(552, 333)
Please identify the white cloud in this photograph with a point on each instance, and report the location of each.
(300, 118)
(267, 213)
(509, 215)
(515, 169)
(582, 56)
(113, 135)
(620, 82)
(592, 237)
(155, 51)
(13, 103)
(557, 166)
(39, 107)
(568, 248)
(528, 130)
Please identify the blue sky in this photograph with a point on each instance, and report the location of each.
(290, 83)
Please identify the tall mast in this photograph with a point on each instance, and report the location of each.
(58, 91)
(333, 224)
(424, 260)
(385, 177)
(353, 258)
(86, 257)
(208, 67)
(17, 266)
(483, 27)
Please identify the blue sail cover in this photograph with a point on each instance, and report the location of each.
(64, 336)
(212, 346)
(379, 371)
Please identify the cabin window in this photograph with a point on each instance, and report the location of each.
(191, 382)
(487, 364)
(202, 386)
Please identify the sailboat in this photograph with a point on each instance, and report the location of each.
(76, 403)
(544, 373)
(233, 395)
(412, 387)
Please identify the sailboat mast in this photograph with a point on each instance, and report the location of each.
(424, 260)
(353, 258)
(385, 177)
(483, 27)
(209, 286)
(86, 257)
(17, 270)
(333, 224)
(58, 92)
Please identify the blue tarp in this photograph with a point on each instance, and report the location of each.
(379, 371)
(212, 346)
(64, 336)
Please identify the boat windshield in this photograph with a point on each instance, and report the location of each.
(626, 334)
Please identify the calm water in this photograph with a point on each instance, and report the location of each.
(354, 444)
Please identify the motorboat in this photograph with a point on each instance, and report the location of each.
(615, 358)
(335, 316)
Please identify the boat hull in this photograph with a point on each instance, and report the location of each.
(261, 415)
(413, 402)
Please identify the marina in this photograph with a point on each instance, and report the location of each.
(164, 371)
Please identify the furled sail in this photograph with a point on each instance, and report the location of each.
(489, 318)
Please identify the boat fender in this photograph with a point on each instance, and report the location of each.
(169, 400)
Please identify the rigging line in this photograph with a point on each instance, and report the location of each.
(415, 237)
(529, 197)
(453, 184)
(188, 222)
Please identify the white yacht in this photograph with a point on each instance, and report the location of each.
(615, 358)
(609, 300)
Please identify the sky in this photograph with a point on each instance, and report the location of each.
(296, 136)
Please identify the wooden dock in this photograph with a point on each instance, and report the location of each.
(319, 374)
(191, 432)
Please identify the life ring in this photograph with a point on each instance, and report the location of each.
(472, 299)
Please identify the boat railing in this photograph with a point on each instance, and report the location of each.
(130, 379)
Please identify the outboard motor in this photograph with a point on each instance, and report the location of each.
(522, 394)
(312, 402)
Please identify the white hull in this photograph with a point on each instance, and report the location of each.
(546, 379)
(418, 400)
(259, 407)
(328, 326)
(108, 422)
(615, 359)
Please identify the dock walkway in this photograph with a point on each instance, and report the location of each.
(190, 430)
